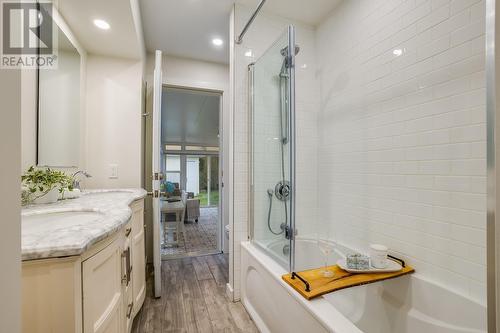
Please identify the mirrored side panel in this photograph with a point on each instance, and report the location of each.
(58, 141)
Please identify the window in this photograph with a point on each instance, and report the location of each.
(173, 169)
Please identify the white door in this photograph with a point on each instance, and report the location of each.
(157, 87)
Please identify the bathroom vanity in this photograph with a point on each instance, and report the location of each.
(83, 264)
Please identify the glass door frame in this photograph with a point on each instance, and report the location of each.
(290, 31)
(292, 131)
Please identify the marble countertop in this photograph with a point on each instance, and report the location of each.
(104, 212)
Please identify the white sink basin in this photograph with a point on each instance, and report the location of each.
(39, 221)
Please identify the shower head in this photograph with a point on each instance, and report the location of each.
(284, 51)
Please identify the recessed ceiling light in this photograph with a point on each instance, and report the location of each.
(397, 52)
(217, 41)
(101, 24)
(248, 53)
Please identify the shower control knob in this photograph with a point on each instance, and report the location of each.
(282, 190)
(285, 191)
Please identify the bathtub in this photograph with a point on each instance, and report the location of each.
(406, 304)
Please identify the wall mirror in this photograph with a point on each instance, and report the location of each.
(59, 105)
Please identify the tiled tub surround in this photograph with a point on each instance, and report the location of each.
(73, 238)
(390, 132)
(402, 134)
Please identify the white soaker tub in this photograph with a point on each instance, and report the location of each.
(405, 304)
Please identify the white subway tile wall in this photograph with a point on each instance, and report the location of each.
(402, 134)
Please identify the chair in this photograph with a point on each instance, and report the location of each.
(193, 209)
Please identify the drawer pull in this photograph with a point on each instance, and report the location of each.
(124, 268)
(128, 231)
(129, 310)
(126, 261)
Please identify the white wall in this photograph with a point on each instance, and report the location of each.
(264, 31)
(402, 134)
(10, 205)
(191, 73)
(113, 107)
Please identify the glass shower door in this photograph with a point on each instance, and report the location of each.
(272, 105)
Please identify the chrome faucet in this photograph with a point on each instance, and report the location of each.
(76, 183)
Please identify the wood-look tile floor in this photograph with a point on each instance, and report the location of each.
(193, 299)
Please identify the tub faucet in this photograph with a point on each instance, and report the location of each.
(76, 182)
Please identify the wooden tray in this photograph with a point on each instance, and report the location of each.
(320, 285)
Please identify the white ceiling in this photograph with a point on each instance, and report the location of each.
(182, 28)
(119, 41)
(190, 116)
(185, 28)
(311, 12)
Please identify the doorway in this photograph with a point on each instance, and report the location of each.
(190, 160)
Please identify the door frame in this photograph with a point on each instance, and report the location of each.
(156, 169)
(222, 198)
(226, 162)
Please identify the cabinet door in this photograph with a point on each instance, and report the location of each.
(102, 297)
(138, 256)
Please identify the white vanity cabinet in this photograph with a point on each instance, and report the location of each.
(99, 291)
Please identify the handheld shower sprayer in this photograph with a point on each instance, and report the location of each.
(270, 194)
